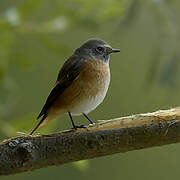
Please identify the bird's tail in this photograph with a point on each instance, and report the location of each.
(41, 123)
(46, 118)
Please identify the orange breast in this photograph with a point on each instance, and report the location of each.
(93, 76)
(91, 81)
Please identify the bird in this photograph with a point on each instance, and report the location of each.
(81, 85)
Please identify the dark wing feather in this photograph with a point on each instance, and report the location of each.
(69, 72)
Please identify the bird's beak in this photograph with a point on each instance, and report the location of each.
(111, 50)
(115, 50)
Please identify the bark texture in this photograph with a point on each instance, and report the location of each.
(26, 153)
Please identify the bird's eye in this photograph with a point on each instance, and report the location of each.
(100, 49)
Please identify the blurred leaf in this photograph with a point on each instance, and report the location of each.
(7, 129)
(99, 10)
(6, 39)
(168, 75)
(82, 165)
(153, 69)
(29, 8)
(12, 16)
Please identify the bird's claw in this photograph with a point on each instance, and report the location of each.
(93, 124)
(79, 127)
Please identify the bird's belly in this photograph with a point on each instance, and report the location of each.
(87, 105)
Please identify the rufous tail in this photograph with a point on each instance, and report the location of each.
(39, 124)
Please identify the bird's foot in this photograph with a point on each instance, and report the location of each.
(92, 124)
(79, 127)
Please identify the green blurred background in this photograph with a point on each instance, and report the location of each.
(36, 37)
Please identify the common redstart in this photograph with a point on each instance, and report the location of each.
(82, 83)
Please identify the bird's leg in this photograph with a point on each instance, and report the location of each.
(91, 121)
(75, 126)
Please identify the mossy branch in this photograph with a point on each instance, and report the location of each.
(26, 153)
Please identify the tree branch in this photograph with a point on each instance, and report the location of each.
(119, 135)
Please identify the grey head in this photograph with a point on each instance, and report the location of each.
(95, 49)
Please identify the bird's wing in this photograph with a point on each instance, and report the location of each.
(69, 72)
